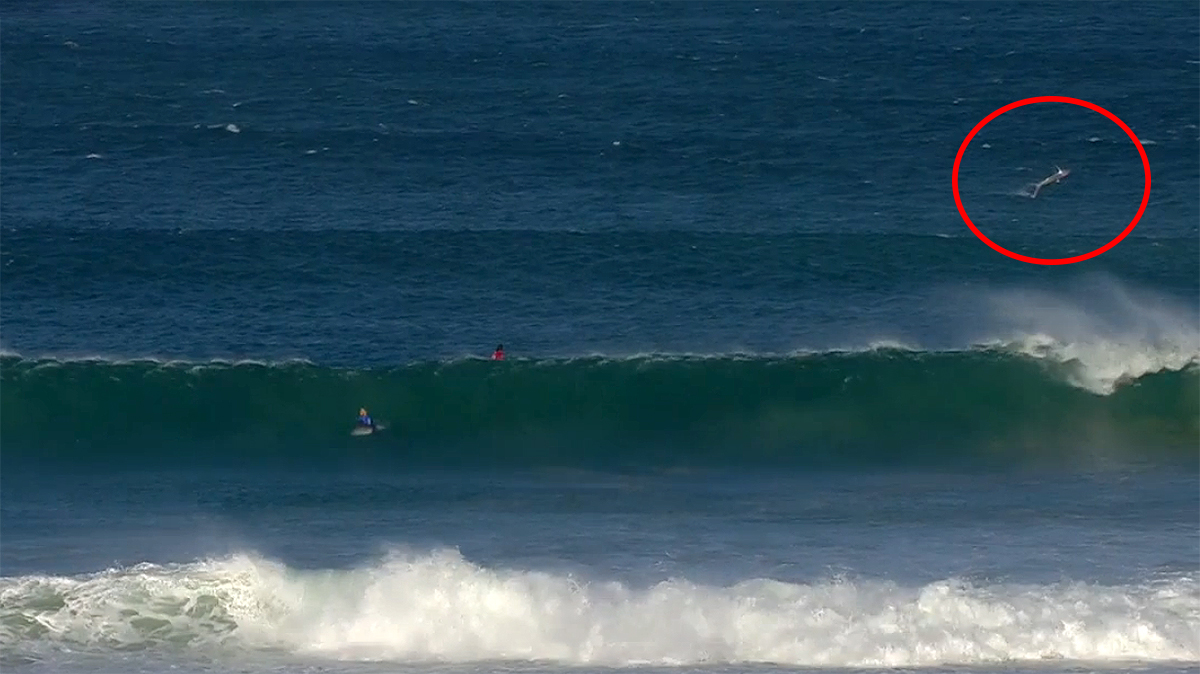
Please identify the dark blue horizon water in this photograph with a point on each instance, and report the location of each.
(769, 404)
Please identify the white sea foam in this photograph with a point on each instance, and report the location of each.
(441, 607)
(1106, 332)
(1101, 365)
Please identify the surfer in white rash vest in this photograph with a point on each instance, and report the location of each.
(1050, 180)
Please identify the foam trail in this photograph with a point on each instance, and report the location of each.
(441, 607)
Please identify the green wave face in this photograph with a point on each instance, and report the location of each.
(840, 410)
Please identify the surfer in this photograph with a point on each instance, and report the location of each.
(498, 354)
(364, 419)
(1050, 180)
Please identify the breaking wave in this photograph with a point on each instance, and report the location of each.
(439, 606)
(1004, 404)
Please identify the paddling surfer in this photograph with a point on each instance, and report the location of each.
(1050, 180)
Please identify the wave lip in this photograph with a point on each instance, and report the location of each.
(440, 607)
(1109, 333)
(1102, 366)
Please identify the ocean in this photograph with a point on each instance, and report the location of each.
(768, 405)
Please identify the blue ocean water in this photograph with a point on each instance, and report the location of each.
(768, 403)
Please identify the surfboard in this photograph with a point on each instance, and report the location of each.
(367, 430)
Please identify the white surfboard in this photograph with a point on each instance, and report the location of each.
(367, 430)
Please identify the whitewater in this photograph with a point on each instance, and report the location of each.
(439, 607)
